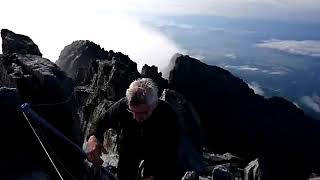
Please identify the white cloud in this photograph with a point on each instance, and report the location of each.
(231, 56)
(277, 73)
(306, 47)
(312, 102)
(165, 23)
(242, 67)
(267, 9)
(256, 88)
(54, 24)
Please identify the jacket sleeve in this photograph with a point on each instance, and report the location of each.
(106, 121)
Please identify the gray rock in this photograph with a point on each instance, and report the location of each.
(152, 73)
(190, 175)
(253, 171)
(109, 84)
(48, 90)
(17, 43)
(221, 173)
(79, 58)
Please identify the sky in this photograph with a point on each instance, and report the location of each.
(117, 25)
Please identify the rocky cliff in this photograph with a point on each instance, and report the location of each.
(87, 80)
(48, 90)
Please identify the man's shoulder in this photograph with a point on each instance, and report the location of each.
(120, 104)
(165, 106)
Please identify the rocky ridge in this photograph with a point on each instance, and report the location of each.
(229, 116)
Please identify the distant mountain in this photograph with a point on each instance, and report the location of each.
(279, 57)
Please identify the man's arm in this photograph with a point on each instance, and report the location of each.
(95, 137)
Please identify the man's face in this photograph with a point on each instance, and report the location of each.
(141, 112)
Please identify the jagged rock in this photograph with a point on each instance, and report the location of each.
(221, 173)
(78, 60)
(108, 85)
(115, 76)
(238, 121)
(253, 171)
(191, 139)
(50, 93)
(152, 73)
(17, 43)
(190, 175)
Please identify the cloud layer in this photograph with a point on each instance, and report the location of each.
(312, 102)
(55, 24)
(306, 48)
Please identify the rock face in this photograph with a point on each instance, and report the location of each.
(16, 43)
(78, 58)
(237, 120)
(49, 91)
(152, 72)
(191, 138)
(101, 78)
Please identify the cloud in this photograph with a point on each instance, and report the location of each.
(276, 72)
(166, 23)
(256, 88)
(54, 24)
(306, 48)
(312, 102)
(242, 67)
(305, 10)
(231, 56)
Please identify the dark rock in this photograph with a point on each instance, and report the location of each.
(114, 77)
(78, 60)
(238, 121)
(101, 78)
(221, 173)
(191, 139)
(109, 84)
(17, 43)
(49, 91)
(190, 175)
(152, 73)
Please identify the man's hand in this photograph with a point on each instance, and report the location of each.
(94, 150)
(149, 178)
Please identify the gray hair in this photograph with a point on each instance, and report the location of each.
(142, 91)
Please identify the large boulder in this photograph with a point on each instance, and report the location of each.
(17, 43)
(238, 121)
(48, 90)
(78, 58)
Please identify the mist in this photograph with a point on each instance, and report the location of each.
(112, 31)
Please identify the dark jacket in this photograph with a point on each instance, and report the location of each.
(155, 140)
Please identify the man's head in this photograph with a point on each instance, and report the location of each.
(142, 96)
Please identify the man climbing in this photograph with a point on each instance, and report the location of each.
(148, 130)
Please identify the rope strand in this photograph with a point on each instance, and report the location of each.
(54, 154)
(45, 150)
